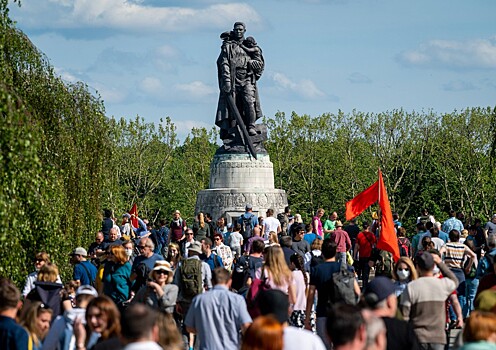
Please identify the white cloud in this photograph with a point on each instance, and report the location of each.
(151, 85)
(476, 53)
(110, 94)
(66, 75)
(131, 16)
(196, 89)
(304, 88)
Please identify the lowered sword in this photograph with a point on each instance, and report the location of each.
(245, 137)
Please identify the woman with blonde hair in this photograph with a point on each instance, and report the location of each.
(277, 273)
(36, 319)
(265, 333)
(47, 290)
(201, 229)
(273, 239)
(174, 255)
(116, 275)
(403, 273)
(40, 259)
(159, 293)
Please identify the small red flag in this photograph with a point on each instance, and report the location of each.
(362, 201)
(387, 239)
(134, 220)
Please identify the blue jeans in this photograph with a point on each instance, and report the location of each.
(471, 285)
(461, 287)
(341, 257)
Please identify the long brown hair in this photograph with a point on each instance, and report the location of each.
(107, 307)
(29, 319)
(265, 333)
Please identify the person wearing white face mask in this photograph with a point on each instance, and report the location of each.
(403, 273)
(130, 252)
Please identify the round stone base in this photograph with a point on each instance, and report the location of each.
(231, 203)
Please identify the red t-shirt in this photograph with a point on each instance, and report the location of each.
(365, 241)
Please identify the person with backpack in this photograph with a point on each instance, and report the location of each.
(213, 260)
(177, 228)
(364, 245)
(192, 278)
(246, 267)
(84, 271)
(384, 264)
(321, 281)
(404, 243)
(247, 221)
(314, 257)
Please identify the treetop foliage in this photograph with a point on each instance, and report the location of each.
(63, 160)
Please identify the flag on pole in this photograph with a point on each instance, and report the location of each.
(357, 205)
(377, 192)
(134, 219)
(387, 239)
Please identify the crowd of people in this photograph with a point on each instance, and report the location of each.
(268, 282)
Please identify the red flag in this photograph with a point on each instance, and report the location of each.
(387, 239)
(134, 220)
(361, 202)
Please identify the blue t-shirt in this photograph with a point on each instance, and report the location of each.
(310, 237)
(149, 262)
(210, 260)
(12, 336)
(321, 278)
(86, 274)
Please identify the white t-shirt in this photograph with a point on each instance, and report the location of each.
(298, 339)
(270, 224)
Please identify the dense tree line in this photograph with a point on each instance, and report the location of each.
(63, 160)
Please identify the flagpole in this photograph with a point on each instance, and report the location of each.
(379, 188)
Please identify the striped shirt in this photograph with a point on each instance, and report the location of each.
(454, 255)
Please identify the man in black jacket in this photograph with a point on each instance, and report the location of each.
(379, 296)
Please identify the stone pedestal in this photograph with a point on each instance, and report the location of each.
(238, 179)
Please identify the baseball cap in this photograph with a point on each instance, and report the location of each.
(126, 215)
(86, 289)
(79, 251)
(248, 206)
(195, 247)
(377, 290)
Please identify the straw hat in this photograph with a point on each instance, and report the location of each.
(161, 265)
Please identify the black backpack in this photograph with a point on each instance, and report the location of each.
(240, 275)
(246, 228)
(315, 261)
(403, 245)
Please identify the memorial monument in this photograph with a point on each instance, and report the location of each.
(241, 171)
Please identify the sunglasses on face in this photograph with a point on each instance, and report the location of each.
(38, 260)
(161, 272)
(141, 247)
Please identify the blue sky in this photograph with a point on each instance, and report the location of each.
(156, 58)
